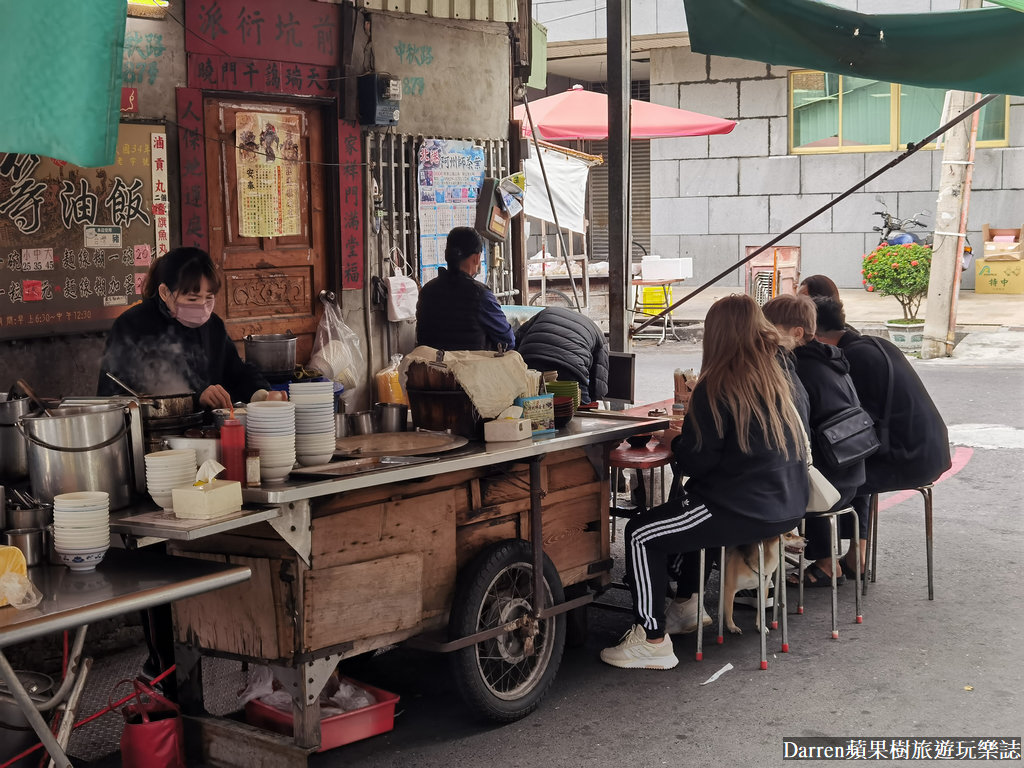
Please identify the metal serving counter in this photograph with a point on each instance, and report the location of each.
(582, 431)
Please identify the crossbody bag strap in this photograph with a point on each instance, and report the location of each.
(887, 411)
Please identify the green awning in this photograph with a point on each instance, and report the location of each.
(971, 50)
(1016, 4)
(61, 90)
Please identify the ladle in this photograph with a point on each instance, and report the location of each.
(125, 387)
(32, 396)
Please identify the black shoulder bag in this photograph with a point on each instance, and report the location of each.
(850, 436)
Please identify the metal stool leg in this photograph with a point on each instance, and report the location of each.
(872, 538)
(780, 593)
(833, 535)
(721, 597)
(856, 568)
(760, 605)
(616, 477)
(700, 602)
(800, 575)
(926, 492)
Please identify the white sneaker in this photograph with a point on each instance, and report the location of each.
(634, 652)
(681, 617)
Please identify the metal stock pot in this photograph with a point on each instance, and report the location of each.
(271, 352)
(13, 449)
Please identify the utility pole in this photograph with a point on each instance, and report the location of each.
(950, 225)
(619, 178)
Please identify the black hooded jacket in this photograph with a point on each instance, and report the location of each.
(563, 340)
(824, 372)
(916, 449)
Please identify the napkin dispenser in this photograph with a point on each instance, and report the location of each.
(508, 427)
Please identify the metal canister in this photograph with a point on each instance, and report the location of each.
(13, 449)
(79, 448)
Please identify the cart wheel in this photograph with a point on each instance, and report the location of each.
(576, 624)
(504, 679)
(551, 298)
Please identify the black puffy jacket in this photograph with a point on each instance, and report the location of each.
(448, 312)
(824, 372)
(916, 450)
(563, 340)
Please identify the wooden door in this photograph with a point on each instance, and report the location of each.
(271, 284)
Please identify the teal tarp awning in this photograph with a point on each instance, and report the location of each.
(61, 89)
(971, 50)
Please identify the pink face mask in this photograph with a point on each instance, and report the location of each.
(193, 314)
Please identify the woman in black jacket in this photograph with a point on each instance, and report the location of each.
(742, 448)
(825, 375)
(172, 342)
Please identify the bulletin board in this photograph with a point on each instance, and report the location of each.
(76, 243)
(450, 174)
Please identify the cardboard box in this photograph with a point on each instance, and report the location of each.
(998, 276)
(1001, 250)
(540, 410)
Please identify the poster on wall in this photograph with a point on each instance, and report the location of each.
(450, 174)
(76, 243)
(268, 156)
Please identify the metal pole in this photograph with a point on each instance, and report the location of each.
(619, 180)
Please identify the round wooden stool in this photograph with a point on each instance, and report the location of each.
(650, 457)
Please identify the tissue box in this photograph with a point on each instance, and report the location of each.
(540, 410)
(507, 430)
(203, 502)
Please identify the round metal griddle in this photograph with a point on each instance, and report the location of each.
(398, 444)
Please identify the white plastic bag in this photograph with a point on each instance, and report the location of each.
(19, 591)
(336, 351)
(402, 290)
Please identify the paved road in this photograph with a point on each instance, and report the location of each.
(913, 668)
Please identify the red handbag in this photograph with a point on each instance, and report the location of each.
(153, 735)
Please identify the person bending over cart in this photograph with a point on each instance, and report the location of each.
(742, 448)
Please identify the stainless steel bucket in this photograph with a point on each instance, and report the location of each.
(391, 417)
(271, 352)
(13, 450)
(79, 448)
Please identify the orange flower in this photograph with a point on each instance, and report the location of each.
(871, 287)
(913, 263)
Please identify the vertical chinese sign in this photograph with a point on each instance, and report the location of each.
(267, 157)
(192, 168)
(449, 177)
(351, 204)
(161, 218)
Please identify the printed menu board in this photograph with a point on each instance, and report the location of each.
(76, 243)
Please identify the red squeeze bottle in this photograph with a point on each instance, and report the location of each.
(232, 449)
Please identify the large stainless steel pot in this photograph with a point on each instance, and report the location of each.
(13, 449)
(169, 406)
(79, 448)
(271, 352)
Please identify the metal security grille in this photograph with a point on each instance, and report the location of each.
(392, 195)
(762, 286)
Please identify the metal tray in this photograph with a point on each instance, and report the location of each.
(398, 444)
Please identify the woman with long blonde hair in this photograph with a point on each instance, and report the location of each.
(741, 447)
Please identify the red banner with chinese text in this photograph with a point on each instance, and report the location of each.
(192, 165)
(351, 205)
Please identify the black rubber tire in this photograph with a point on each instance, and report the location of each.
(495, 678)
(551, 298)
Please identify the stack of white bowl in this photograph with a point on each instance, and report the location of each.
(167, 470)
(270, 429)
(81, 528)
(314, 421)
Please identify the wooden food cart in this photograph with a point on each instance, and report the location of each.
(447, 554)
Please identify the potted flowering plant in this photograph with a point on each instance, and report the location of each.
(901, 271)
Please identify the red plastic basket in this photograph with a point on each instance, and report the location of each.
(337, 730)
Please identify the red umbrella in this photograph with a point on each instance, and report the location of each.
(581, 114)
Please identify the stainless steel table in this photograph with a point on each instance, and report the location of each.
(73, 599)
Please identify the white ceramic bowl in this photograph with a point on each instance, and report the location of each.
(82, 561)
(312, 459)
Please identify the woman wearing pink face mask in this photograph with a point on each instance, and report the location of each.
(172, 342)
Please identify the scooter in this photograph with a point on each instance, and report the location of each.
(894, 230)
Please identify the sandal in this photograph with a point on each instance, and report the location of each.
(848, 571)
(815, 577)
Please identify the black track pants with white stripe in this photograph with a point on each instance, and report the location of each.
(680, 526)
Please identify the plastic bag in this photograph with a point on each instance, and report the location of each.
(17, 590)
(336, 350)
(402, 291)
(389, 383)
(261, 683)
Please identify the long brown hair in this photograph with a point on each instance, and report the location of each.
(740, 373)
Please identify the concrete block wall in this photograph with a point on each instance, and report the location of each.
(711, 197)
